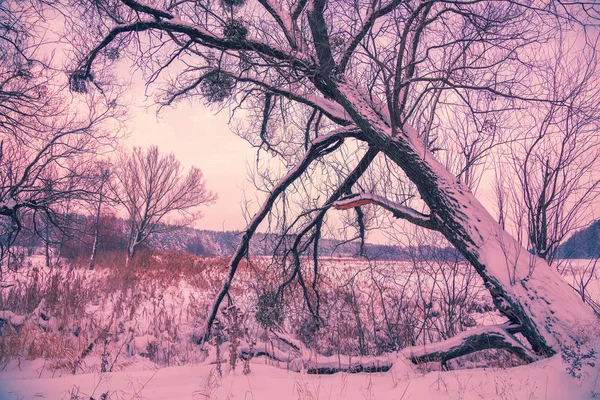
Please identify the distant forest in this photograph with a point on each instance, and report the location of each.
(77, 240)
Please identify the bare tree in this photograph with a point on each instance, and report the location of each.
(322, 77)
(557, 164)
(46, 134)
(152, 188)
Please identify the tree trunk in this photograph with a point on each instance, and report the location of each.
(47, 242)
(94, 251)
(96, 229)
(483, 337)
(523, 286)
(132, 248)
(95, 245)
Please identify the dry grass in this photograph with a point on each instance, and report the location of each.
(113, 303)
(165, 298)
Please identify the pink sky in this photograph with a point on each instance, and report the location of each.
(198, 137)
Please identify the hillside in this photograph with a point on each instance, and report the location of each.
(583, 244)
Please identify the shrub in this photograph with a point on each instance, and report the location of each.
(576, 358)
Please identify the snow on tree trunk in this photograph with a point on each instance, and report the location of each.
(523, 286)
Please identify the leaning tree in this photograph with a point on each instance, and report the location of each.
(386, 81)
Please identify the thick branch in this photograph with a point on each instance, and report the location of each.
(485, 337)
(298, 10)
(154, 11)
(202, 36)
(318, 28)
(331, 109)
(399, 211)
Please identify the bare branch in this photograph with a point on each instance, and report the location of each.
(319, 147)
(283, 20)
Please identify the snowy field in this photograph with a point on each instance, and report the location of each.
(74, 334)
(545, 380)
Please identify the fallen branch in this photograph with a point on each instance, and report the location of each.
(471, 341)
(294, 356)
(324, 365)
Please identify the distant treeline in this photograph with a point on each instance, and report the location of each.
(224, 243)
(76, 241)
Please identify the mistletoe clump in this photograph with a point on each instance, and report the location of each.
(217, 86)
(233, 3)
(269, 313)
(78, 82)
(235, 29)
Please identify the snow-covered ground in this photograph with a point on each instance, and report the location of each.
(578, 272)
(63, 326)
(546, 379)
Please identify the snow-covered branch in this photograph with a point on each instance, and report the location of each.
(296, 357)
(327, 107)
(399, 211)
(484, 337)
(331, 109)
